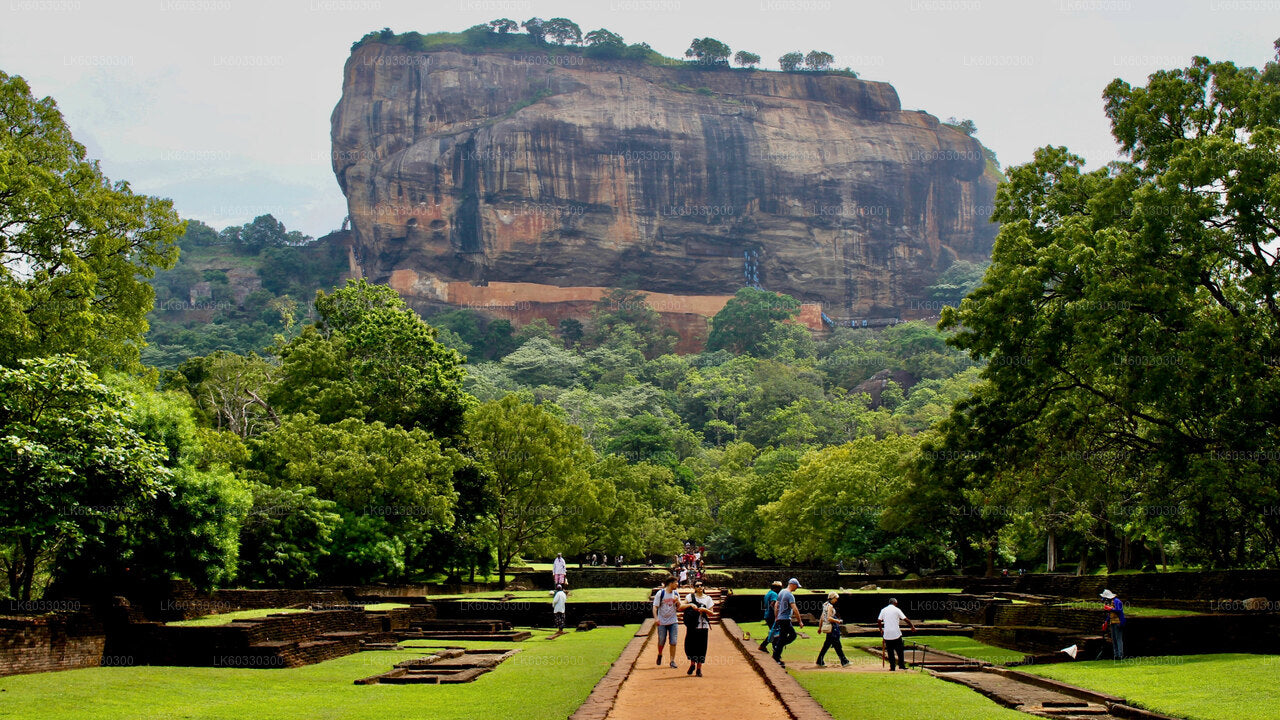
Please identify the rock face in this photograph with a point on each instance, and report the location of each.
(501, 179)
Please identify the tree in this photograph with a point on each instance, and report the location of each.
(537, 469)
(708, 51)
(502, 26)
(741, 325)
(966, 126)
(817, 60)
(791, 61)
(68, 460)
(536, 28)
(605, 38)
(373, 358)
(570, 331)
(746, 59)
(542, 362)
(75, 248)
(1136, 306)
(391, 486)
(286, 536)
(563, 30)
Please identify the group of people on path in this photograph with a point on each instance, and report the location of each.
(782, 616)
(696, 607)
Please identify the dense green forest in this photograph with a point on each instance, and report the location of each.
(1107, 395)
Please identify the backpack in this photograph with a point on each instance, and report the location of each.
(691, 614)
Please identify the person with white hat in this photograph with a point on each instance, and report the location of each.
(1115, 622)
(788, 613)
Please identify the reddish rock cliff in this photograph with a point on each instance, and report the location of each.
(494, 168)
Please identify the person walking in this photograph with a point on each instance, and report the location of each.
(770, 613)
(557, 608)
(891, 630)
(1115, 622)
(784, 631)
(697, 628)
(559, 571)
(831, 626)
(666, 603)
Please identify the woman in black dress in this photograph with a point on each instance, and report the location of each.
(697, 627)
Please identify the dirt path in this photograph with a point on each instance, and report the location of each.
(729, 686)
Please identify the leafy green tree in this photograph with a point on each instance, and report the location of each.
(542, 362)
(838, 495)
(708, 51)
(817, 60)
(392, 487)
(502, 26)
(570, 331)
(791, 61)
(955, 282)
(1136, 304)
(371, 357)
(624, 318)
(604, 38)
(69, 463)
(563, 30)
(75, 248)
(536, 28)
(743, 322)
(537, 469)
(746, 59)
(286, 536)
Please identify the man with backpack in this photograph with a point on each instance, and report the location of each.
(770, 613)
(666, 603)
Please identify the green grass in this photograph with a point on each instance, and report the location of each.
(892, 696)
(605, 594)
(969, 647)
(226, 618)
(547, 679)
(1201, 687)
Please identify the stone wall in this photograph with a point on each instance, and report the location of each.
(1212, 585)
(49, 642)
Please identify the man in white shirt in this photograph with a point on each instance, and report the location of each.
(557, 608)
(559, 570)
(891, 631)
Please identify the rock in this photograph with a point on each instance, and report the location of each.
(526, 189)
(1257, 604)
(586, 625)
(869, 587)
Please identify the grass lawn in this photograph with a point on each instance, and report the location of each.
(1201, 687)
(225, 618)
(548, 679)
(968, 647)
(606, 594)
(892, 696)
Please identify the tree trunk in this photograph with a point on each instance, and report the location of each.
(1164, 559)
(991, 562)
(1051, 553)
(1083, 567)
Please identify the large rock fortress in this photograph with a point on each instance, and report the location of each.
(530, 184)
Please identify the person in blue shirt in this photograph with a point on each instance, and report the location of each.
(770, 613)
(788, 613)
(1115, 622)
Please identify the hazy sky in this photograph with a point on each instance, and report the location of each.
(224, 105)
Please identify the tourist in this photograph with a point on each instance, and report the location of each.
(684, 576)
(593, 560)
(1115, 622)
(697, 627)
(770, 613)
(557, 608)
(666, 603)
(831, 626)
(891, 632)
(784, 632)
(617, 562)
(559, 572)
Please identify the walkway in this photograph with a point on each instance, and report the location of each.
(729, 686)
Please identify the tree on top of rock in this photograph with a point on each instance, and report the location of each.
(536, 29)
(746, 59)
(503, 25)
(791, 61)
(708, 51)
(818, 60)
(563, 30)
(604, 38)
